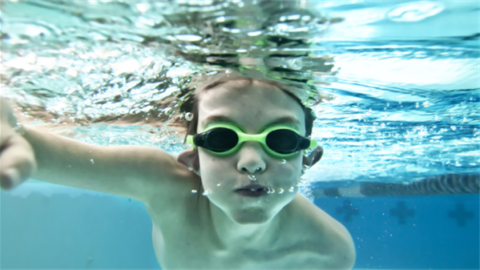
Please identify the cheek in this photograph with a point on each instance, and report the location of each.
(289, 171)
(212, 169)
(295, 164)
(206, 161)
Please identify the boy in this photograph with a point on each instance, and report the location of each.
(251, 216)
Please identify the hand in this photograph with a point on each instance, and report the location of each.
(17, 160)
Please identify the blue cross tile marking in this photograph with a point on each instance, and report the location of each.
(348, 209)
(460, 215)
(402, 212)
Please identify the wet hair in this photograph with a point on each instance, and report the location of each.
(191, 98)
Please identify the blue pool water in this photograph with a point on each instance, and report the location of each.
(400, 89)
(73, 229)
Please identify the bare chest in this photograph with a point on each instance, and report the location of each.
(192, 251)
(186, 241)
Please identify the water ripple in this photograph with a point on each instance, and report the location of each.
(399, 82)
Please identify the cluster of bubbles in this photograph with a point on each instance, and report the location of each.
(269, 191)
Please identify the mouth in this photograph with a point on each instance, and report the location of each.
(252, 191)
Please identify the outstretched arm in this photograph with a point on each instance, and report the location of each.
(129, 171)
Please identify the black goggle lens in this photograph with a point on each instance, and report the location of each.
(282, 141)
(221, 139)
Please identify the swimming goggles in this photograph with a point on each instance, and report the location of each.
(224, 138)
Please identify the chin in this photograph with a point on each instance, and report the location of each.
(251, 216)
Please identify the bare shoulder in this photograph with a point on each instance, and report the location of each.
(162, 179)
(331, 239)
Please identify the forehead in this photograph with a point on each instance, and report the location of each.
(250, 104)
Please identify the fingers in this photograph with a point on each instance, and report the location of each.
(6, 112)
(17, 162)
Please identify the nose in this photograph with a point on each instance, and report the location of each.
(251, 158)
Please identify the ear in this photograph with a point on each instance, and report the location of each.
(190, 159)
(314, 157)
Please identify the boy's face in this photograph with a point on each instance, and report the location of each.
(252, 107)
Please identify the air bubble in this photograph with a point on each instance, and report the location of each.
(280, 191)
(91, 161)
(205, 193)
(283, 161)
(189, 116)
(271, 191)
(292, 189)
(194, 191)
(218, 185)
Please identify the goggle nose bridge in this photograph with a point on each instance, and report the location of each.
(261, 138)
